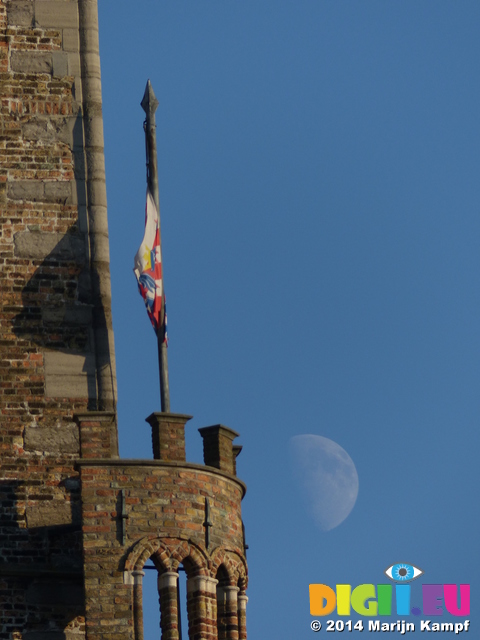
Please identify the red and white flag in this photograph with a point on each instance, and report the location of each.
(148, 270)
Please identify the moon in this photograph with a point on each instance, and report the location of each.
(327, 479)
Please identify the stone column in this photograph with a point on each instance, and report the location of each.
(242, 616)
(167, 591)
(138, 604)
(202, 607)
(227, 616)
(96, 202)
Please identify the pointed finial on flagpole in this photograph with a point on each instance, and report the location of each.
(149, 101)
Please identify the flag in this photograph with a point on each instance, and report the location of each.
(148, 270)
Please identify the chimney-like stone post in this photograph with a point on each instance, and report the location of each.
(98, 434)
(218, 447)
(168, 436)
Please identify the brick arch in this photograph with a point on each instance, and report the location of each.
(142, 550)
(233, 563)
(167, 554)
(193, 558)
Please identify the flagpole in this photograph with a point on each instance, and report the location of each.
(149, 105)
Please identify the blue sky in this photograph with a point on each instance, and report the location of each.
(319, 188)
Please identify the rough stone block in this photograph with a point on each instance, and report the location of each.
(55, 14)
(66, 386)
(52, 439)
(58, 191)
(20, 13)
(73, 315)
(74, 66)
(49, 130)
(64, 129)
(37, 245)
(31, 62)
(35, 191)
(49, 514)
(31, 190)
(60, 64)
(69, 375)
(71, 40)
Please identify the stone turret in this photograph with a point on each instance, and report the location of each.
(176, 514)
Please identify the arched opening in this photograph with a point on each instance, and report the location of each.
(157, 610)
(151, 606)
(222, 605)
(183, 627)
(186, 602)
(178, 605)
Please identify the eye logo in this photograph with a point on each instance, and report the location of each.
(403, 572)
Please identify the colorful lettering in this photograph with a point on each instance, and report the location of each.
(450, 595)
(384, 593)
(366, 602)
(432, 594)
(402, 595)
(360, 595)
(322, 600)
(343, 599)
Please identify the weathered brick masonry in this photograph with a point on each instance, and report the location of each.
(174, 513)
(76, 523)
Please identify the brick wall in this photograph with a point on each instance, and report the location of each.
(76, 524)
(164, 519)
(49, 313)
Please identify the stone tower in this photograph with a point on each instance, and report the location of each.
(77, 523)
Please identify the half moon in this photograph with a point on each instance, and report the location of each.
(327, 478)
